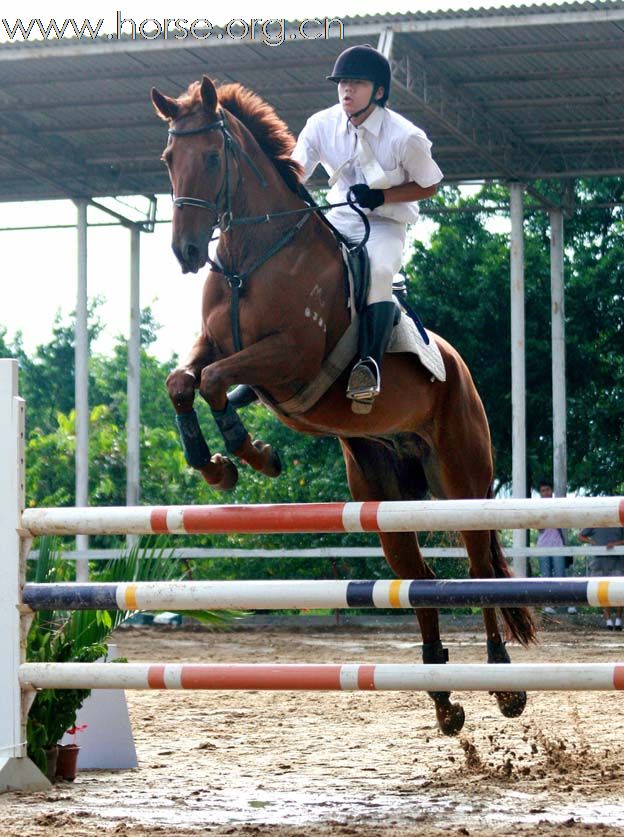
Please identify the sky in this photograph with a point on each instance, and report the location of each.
(38, 268)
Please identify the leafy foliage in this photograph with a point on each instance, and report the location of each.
(58, 639)
(460, 284)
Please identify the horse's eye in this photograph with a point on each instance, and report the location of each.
(211, 161)
(166, 159)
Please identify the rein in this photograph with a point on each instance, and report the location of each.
(225, 219)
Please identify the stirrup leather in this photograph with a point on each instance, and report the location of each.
(364, 380)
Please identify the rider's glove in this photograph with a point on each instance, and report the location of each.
(367, 197)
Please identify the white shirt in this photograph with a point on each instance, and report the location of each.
(402, 150)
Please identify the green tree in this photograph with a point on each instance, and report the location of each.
(460, 284)
(47, 379)
(6, 351)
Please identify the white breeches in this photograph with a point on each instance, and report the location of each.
(385, 248)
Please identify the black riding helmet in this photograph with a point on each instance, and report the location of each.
(367, 63)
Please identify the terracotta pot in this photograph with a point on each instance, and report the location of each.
(51, 759)
(67, 761)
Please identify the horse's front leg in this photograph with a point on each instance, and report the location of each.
(269, 362)
(217, 470)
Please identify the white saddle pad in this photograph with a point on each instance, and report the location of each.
(407, 338)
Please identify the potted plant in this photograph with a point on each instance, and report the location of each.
(54, 710)
(67, 754)
(56, 637)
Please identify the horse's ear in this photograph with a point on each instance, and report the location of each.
(166, 107)
(209, 95)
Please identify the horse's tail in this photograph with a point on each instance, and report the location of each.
(519, 620)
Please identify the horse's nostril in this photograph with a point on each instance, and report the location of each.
(191, 252)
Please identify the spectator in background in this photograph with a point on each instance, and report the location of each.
(606, 565)
(551, 566)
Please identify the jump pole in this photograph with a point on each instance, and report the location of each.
(386, 516)
(325, 677)
(334, 594)
(17, 772)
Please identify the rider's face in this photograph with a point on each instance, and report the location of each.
(354, 94)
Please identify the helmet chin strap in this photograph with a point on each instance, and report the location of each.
(372, 100)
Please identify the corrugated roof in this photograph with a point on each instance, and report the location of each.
(523, 92)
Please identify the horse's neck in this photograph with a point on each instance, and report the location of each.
(251, 198)
(319, 265)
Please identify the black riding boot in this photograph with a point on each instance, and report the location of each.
(375, 331)
(242, 396)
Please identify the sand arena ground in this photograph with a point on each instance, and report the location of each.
(311, 764)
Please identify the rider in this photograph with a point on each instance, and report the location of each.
(387, 163)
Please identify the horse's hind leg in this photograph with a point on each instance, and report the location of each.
(462, 468)
(375, 473)
(404, 556)
(259, 455)
(486, 561)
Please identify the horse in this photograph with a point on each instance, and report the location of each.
(273, 307)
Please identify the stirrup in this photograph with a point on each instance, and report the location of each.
(364, 381)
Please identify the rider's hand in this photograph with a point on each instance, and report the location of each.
(367, 197)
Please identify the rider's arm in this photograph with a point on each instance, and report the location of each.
(408, 192)
(306, 151)
(422, 170)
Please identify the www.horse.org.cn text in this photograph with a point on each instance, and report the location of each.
(269, 31)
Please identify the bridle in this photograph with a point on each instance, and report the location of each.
(225, 220)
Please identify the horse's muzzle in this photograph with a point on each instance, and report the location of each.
(191, 254)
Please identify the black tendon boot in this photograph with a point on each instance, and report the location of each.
(365, 379)
(242, 396)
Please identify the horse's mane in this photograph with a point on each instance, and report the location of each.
(271, 133)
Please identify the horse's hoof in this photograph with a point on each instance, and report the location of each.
(221, 474)
(511, 704)
(272, 465)
(451, 718)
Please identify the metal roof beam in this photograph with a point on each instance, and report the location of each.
(135, 99)
(464, 119)
(609, 71)
(196, 67)
(556, 101)
(570, 139)
(62, 159)
(56, 180)
(572, 45)
(570, 127)
(466, 20)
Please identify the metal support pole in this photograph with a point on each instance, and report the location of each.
(82, 386)
(518, 384)
(560, 452)
(134, 379)
(384, 43)
(17, 772)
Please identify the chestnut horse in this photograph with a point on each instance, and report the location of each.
(273, 307)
